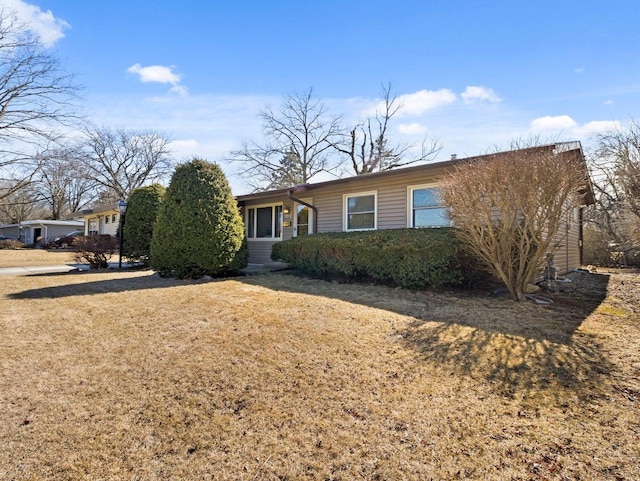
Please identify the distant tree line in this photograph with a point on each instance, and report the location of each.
(48, 166)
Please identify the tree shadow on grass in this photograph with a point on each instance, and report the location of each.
(519, 348)
(513, 364)
(102, 286)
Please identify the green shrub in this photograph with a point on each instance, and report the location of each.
(198, 230)
(409, 258)
(142, 210)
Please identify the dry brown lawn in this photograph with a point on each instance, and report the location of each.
(35, 257)
(124, 375)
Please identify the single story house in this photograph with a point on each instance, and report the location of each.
(40, 231)
(101, 219)
(400, 198)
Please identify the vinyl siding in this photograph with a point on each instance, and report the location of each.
(260, 251)
(13, 232)
(391, 209)
(48, 231)
(391, 192)
(567, 253)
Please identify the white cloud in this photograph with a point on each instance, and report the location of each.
(417, 103)
(45, 25)
(179, 89)
(159, 74)
(578, 70)
(597, 126)
(551, 123)
(414, 128)
(475, 94)
(608, 102)
(420, 102)
(569, 128)
(155, 73)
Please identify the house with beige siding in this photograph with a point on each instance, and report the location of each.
(101, 220)
(400, 198)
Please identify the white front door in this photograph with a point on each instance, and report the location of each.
(302, 219)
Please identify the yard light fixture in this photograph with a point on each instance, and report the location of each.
(122, 208)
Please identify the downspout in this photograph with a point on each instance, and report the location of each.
(312, 207)
(581, 235)
(567, 247)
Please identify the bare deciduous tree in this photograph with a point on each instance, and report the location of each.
(19, 205)
(122, 160)
(508, 208)
(368, 147)
(615, 161)
(35, 99)
(300, 136)
(62, 181)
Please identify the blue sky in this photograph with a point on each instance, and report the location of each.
(472, 74)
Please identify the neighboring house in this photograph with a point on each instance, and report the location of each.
(392, 199)
(103, 219)
(39, 231)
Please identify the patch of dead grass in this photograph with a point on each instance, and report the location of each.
(126, 375)
(35, 257)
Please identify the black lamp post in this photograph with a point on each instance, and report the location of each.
(122, 208)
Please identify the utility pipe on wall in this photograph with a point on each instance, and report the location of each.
(306, 204)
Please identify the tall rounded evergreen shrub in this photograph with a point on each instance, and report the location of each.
(198, 230)
(144, 204)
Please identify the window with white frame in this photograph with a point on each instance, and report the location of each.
(264, 222)
(93, 227)
(360, 211)
(426, 208)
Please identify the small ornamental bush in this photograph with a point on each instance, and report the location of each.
(95, 250)
(142, 210)
(409, 258)
(10, 244)
(199, 230)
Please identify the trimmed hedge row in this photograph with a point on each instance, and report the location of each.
(409, 258)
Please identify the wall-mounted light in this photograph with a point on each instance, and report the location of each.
(285, 210)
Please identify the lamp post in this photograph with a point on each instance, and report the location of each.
(122, 208)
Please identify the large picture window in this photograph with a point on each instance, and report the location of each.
(360, 211)
(426, 209)
(264, 222)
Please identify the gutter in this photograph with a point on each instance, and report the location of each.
(312, 207)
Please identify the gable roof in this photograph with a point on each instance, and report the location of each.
(98, 209)
(559, 147)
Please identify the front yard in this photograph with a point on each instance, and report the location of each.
(123, 375)
(35, 257)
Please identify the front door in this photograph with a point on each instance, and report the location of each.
(303, 219)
